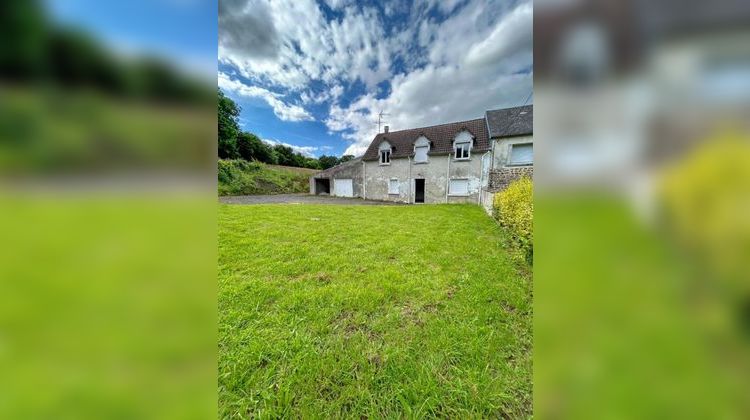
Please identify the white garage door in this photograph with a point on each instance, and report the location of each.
(343, 188)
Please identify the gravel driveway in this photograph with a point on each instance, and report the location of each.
(299, 199)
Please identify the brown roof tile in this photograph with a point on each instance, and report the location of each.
(440, 136)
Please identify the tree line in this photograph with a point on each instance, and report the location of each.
(237, 144)
(35, 50)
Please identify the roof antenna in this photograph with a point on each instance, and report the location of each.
(527, 98)
(520, 110)
(381, 114)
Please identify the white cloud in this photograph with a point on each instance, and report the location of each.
(456, 84)
(302, 46)
(416, 102)
(320, 97)
(512, 36)
(337, 4)
(284, 111)
(473, 55)
(305, 150)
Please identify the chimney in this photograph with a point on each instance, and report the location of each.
(386, 128)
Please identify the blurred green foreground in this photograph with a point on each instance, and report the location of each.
(108, 273)
(647, 317)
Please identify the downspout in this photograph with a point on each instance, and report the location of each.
(492, 149)
(364, 180)
(409, 200)
(448, 179)
(481, 179)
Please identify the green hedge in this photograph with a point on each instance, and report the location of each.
(514, 209)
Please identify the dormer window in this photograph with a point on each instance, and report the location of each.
(462, 145)
(385, 157)
(384, 151)
(421, 148)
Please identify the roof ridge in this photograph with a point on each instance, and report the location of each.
(433, 126)
(509, 108)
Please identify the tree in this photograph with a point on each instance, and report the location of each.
(24, 41)
(311, 163)
(265, 153)
(248, 146)
(346, 158)
(229, 127)
(285, 155)
(328, 161)
(272, 158)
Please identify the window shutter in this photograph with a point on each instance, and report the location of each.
(393, 186)
(459, 187)
(521, 154)
(421, 154)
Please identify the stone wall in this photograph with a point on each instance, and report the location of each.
(500, 178)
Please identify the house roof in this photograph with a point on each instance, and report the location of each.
(333, 169)
(440, 136)
(510, 122)
(675, 18)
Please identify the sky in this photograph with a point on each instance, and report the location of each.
(314, 75)
(183, 32)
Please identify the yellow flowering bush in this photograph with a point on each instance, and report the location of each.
(705, 201)
(514, 209)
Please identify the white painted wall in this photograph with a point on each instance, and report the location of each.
(436, 173)
(501, 150)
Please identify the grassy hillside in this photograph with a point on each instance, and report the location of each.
(239, 177)
(296, 170)
(47, 131)
(317, 319)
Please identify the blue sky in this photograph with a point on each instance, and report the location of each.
(181, 31)
(314, 75)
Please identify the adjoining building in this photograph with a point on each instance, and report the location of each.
(511, 132)
(344, 180)
(459, 162)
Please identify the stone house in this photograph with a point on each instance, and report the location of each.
(460, 162)
(440, 164)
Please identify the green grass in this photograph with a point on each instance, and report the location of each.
(619, 331)
(109, 301)
(239, 177)
(49, 131)
(305, 171)
(344, 311)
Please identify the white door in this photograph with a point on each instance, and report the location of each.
(343, 188)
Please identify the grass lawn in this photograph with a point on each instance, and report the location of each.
(370, 311)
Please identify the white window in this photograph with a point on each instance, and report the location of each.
(421, 148)
(385, 157)
(462, 145)
(384, 151)
(463, 150)
(521, 154)
(393, 186)
(459, 187)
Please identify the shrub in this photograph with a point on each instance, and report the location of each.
(514, 209)
(240, 177)
(705, 202)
